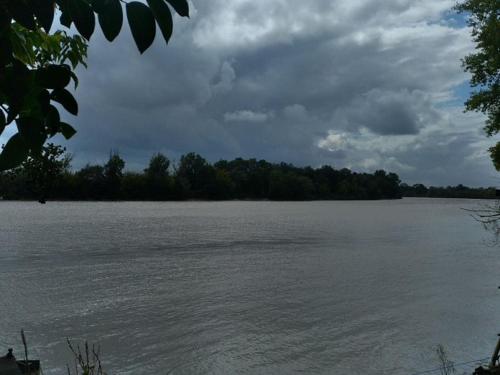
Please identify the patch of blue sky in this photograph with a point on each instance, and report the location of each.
(7, 133)
(454, 19)
(460, 94)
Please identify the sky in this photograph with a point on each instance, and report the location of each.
(362, 84)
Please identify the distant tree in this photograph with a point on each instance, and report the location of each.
(157, 177)
(287, 186)
(158, 166)
(44, 170)
(91, 183)
(134, 187)
(39, 176)
(37, 65)
(250, 177)
(223, 185)
(198, 174)
(388, 184)
(194, 177)
(420, 190)
(484, 64)
(113, 173)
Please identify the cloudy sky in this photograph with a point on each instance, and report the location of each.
(363, 84)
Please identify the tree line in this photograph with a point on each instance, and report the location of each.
(459, 191)
(49, 176)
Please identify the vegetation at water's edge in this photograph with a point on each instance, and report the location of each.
(459, 191)
(49, 177)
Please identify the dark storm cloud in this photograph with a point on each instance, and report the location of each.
(362, 84)
(388, 112)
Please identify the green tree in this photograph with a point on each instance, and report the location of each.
(40, 176)
(484, 64)
(197, 172)
(133, 187)
(288, 186)
(157, 177)
(158, 167)
(224, 186)
(113, 174)
(45, 170)
(90, 182)
(37, 66)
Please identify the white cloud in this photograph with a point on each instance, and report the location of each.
(361, 83)
(334, 141)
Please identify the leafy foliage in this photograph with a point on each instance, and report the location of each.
(37, 66)
(459, 191)
(50, 177)
(195, 178)
(484, 64)
(40, 174)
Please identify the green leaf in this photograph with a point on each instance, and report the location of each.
(83, 17)
(67, 130)
(44, 12)
(98, 5)
(54, 76)
(12, 112)
(110, 17)
(31, 130)
(44, 100)
(3, 122)
(67, 100)
(142, 24)
(163, 16)
(21, 48)
(66, 19)
(52, 120)
(23, 14)
(16, 84)
(180, 6)
(74, 78)
(14, 153)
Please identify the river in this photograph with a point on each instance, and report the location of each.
(250, 287)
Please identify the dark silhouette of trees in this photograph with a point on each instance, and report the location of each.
(290, 186)
(198, 176)
(459, 191)
(113, 175)
(44, 171)
(41, 176)
(195, 178)
(89, 183)
(157, 178)
(250, 178)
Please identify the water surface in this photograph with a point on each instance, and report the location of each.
(250, 287)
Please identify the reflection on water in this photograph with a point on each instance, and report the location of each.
(249, 287)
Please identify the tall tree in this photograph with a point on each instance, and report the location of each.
(158, 166)
(157, 177)
(197, 172)
(113, 174)
(90, 182)
(484, 64)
